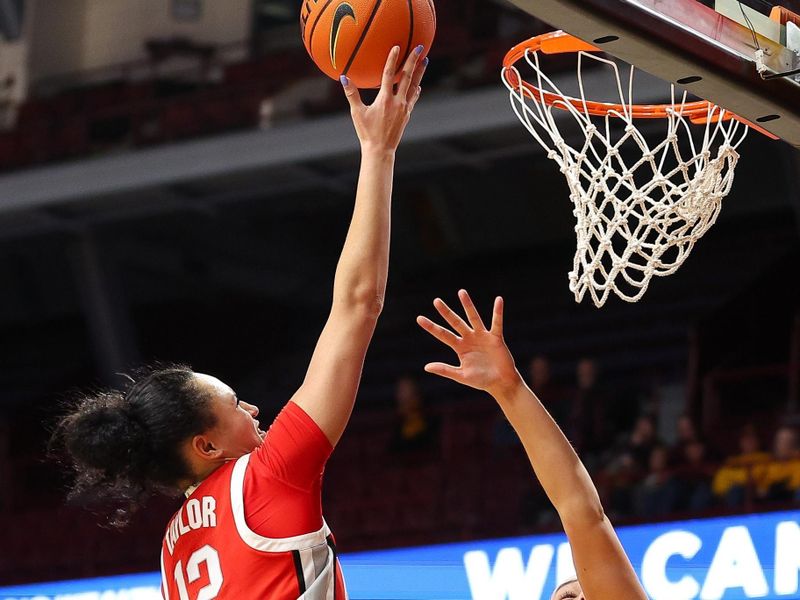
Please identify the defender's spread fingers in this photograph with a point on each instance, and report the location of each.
(497, 316)
(444, 370)
(472, 312)
(451, 317)
(445, 336)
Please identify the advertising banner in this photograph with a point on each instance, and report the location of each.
(751, 556)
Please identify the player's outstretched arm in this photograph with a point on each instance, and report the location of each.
(331, 383)
(603, 569)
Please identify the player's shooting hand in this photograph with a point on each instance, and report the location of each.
(380, 125)
(485, 361)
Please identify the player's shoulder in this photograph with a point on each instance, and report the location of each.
(291, 424)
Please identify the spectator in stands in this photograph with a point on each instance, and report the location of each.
(686, 434)
(656, 495)
(503, 435)
(9, 103)
(732, 481)
(687, 430)
(550, 394)
(642, 441)
(589, 429)
(416, 433)
(693, 475)
(779, 479)
(630, 462)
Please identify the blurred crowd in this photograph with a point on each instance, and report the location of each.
(648, 478)
(641, 474)
(441, 464)
(187, 88)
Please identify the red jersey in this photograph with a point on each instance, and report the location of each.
(253, 529)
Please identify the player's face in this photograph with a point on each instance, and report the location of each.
(237, 430)
(570, 590)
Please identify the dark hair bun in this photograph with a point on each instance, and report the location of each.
(105, 435)
(125, 446)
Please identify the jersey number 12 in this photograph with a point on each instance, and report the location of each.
(207, 555)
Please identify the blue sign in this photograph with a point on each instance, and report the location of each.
(754, 556)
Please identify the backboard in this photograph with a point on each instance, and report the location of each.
(730, 54)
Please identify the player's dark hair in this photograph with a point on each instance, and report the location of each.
(123, 446)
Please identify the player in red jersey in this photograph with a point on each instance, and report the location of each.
(251, 526)
(603, 569)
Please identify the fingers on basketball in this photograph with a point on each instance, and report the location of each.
(389, 69)
(409, 69)
(414, 89)
(351, 93)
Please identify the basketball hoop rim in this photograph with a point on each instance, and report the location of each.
(560, 42)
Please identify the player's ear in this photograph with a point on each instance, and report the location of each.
(204, 448)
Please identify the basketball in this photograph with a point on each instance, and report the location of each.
(354, 37)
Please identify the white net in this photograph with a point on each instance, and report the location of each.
(640, 208)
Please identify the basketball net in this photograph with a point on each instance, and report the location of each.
(640, 208)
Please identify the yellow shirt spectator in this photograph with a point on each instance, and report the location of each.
(739, 470)
(782, 472)
(776, 472)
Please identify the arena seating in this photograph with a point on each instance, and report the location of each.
(116, 111)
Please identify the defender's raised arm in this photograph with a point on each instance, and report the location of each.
(603, 569)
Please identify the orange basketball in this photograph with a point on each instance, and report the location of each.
(354, 37)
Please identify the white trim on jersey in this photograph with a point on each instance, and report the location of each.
(258, 542)
(307, 561)
(164, 586)
(319, 578)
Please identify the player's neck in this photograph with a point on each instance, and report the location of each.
(201, 471)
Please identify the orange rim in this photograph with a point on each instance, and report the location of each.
(560, 42)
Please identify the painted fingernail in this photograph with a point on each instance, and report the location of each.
(418, 49)
(425, 61)
(344, 80)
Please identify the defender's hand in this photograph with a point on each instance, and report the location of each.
(486, 363)
(380, 125)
